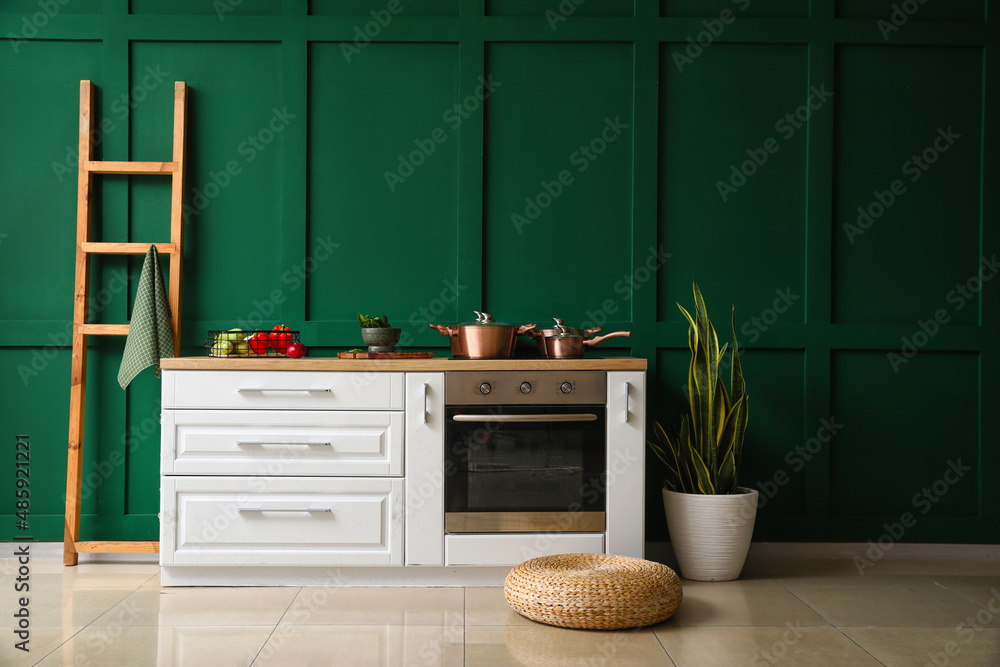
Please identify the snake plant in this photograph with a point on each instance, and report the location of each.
(704, 454)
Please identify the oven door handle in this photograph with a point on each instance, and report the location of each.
(585, 417)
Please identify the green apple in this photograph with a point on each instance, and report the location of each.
(221, 347)
(233, 335)
(241, 349)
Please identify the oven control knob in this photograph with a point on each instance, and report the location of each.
(485, 388)
(566, 388)
(525, 387)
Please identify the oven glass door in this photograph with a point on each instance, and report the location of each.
(525, 468)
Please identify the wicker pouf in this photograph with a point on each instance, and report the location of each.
(593, 591)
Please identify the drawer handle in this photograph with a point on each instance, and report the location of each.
(267, 509)
(425, 403)
(245, 389)
(628, 400)
(257, 442)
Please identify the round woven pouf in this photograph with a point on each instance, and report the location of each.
(593, 591)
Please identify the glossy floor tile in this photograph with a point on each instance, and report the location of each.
(377, 606)
(134, 646)
(791, 644)
(364, 645)
(538, 645)
(754, 602)
(888, 602)
(487, 606)
(201, 606)
(783, 611)
(951, 647)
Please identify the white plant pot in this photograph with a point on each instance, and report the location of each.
(710, 534)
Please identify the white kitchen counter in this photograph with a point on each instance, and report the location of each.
(434, 364)
(328, 471)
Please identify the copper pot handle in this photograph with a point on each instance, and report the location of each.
(534, 334)
(445, 330)
(525, 328)
(597, 341)
(587, 333)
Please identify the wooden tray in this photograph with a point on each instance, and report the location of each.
(385, 355)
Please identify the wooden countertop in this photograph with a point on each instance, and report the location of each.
(416, 365)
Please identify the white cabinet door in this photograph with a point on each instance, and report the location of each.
(282, 442)
(626, 462)
(283, 390)
(243, 521)
(425, 469)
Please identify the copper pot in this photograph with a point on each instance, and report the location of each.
(540, 334)
(568, 345)
(482, 338)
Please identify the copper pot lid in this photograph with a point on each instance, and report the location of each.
(564, 331)
(484, 320)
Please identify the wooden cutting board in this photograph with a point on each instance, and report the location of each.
(385, 355)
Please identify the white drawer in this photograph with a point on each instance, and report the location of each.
(281, 442)
(287, 390)
(281, 521)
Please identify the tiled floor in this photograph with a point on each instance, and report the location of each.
(803, 611)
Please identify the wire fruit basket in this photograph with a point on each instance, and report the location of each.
(249, 342)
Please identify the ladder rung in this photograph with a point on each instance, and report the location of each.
(127, 248)
(103, 329)
(117, 547)
(106, 167)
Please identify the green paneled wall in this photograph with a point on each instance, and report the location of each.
(424, 158)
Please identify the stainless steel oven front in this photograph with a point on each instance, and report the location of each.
(525, 451)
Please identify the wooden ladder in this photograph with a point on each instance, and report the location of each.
(72, 546)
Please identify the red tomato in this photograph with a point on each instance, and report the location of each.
(296, 350)
(277, 340)
(258, 343)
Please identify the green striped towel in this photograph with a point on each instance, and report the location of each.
(149, 334)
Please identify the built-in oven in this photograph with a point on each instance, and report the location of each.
(525, 451)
